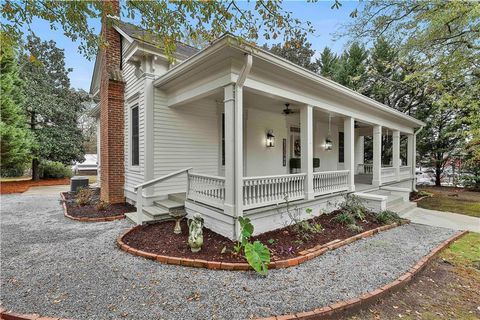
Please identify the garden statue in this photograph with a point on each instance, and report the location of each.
(195, 232)
(178, 215)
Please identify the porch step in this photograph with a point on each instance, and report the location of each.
(403, 207)
(132, 216)
(179, 197)
(169, 204)
(156, 212)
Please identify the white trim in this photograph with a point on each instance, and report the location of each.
(131, 105)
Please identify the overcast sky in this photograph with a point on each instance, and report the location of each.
(325, 20)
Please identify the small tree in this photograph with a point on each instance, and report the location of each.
(328, 63)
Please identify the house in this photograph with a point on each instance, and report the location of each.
(233, 130)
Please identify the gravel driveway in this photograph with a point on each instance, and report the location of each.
(58, 267)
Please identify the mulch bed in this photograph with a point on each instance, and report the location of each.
(90, 210)
(283, 243)
(23, 185)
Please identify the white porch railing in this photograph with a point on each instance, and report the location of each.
(366, 168)
(268, 190)
(206, 189)
(405, 172)
(388, 174)
(330, 181)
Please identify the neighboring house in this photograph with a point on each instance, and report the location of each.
(88, 166)
(222, 126)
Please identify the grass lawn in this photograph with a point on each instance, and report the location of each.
(456, 200)
(449, 288)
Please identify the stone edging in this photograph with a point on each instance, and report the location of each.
(243, 266)
(86, 219)
(371, 297)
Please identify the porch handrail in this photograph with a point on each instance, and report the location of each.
(325, 182)
(156, 180)
(275, 176)
(207, 189)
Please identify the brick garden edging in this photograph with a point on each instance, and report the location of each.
(304, 255)
(335, 310)
(7, 315)
(86, 219)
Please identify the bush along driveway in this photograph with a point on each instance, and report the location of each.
(58, 267)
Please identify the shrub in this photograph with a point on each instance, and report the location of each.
(16, 171)
(54, 170)
(354, 228)
(345, 218)
(387, 216)
(84, 196)
(102, 205)
(354, 206)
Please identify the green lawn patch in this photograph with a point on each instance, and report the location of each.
(455, 200)
(464, 252)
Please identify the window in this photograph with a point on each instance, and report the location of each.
(134, 138)
(341, 147)
(223, 139)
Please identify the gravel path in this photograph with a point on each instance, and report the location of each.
(58, 267)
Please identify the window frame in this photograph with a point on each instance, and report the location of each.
(131, 136)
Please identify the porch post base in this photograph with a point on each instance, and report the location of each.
(229, 209)
(309, 196)
(352, 188)
(376, 183)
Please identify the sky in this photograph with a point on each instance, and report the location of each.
(325, 20)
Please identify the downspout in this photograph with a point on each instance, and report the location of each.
(238, 171)
(414, 160)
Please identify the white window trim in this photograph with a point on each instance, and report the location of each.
(132, 104)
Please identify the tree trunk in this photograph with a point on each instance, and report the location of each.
(438, 174)
(35, 169)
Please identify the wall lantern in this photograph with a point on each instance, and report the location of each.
(328, 140)
(270, 139)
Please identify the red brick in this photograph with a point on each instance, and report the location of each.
(174, 260)
(161, 258)
(286, 317)
(187, 262)
(292, 262)
(305, 314)
(200, 263)
(339, 305)
(213, 265)
(324, 311)
(227, 266)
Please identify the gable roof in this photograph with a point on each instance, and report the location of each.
(139, 34)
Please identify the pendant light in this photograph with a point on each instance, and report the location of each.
(328, 140)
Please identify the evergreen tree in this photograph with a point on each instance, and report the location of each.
(16, 141)
(351, 69)
(328, 63)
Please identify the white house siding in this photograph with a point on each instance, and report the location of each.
(260, 160)
(184, 136)
(328, 159)
(133, 95)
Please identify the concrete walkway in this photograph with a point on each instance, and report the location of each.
(443, 219)
(46, 190)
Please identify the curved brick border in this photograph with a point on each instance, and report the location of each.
(7, 315)
(85, 219)
(371, 297)
(243, 266)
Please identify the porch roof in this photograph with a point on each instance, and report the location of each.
(221, 46)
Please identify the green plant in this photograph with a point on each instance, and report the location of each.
(354, 228)
(54, 170)
(345, 218)
(387, 216)
(102, 205)
(84, 196)
(271, 241)
(256, 253)
(258, 256)
(353, 205)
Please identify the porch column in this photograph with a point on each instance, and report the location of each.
(414, 161)
(349, 150)
(149, 95)
(229, 110)
(238, 157)
(377, 156)
(306, 131)
(396, 153)
(410, 151)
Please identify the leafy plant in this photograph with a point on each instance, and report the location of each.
(84, 196)
(387, 216)
(246, 231)
(345, 218)
(353, 205)
(271, 241)
(354, 228)
(102, 205)
(258, 256)
(256, 253)
(302, 227)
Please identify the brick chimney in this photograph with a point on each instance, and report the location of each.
(112, 86)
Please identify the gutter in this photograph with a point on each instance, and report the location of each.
(414, 167)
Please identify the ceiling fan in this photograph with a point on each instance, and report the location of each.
(287, 110)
